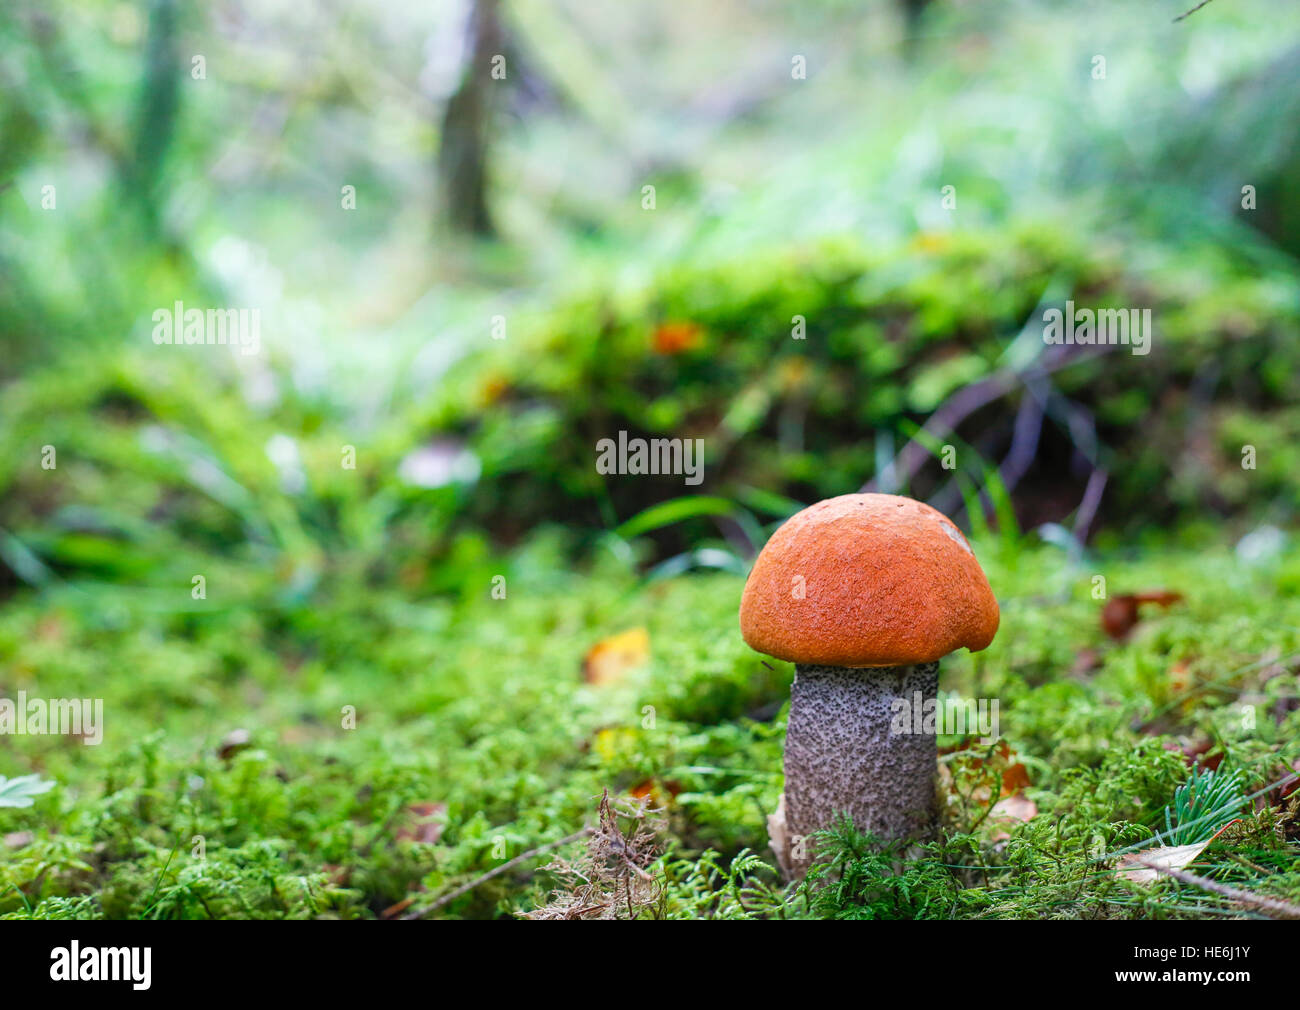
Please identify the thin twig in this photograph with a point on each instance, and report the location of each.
(496, 872)
(1089, 504)
(969, 399)
(1283, 909)
(1187, 14)
(1025, 436)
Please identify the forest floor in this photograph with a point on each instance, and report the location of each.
(375, 753)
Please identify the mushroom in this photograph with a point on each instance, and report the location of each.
(864, 593)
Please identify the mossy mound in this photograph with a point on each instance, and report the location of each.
(804, 370)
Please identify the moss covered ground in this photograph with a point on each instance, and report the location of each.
(477, 738)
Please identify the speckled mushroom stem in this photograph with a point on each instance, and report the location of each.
(842, 753)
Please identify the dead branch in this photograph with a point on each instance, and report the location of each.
(966, 401)
(496, 872)
(1282, 909)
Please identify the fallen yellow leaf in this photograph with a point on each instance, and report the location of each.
(612, 742)
(609, 660)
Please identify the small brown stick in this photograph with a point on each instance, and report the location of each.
(496, 872)
(1282, 909)
(1087, 511)
(1187, 14)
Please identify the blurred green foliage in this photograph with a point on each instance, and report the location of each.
(711, 352)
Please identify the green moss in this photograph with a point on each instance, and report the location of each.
(479, 706)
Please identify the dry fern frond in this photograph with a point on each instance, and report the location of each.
(612, 879)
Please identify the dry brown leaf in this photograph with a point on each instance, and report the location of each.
(1196, 751)
(1015, 777)
(1294, 784)
(427, 824)
(1163, 597)
(338, 875)
(1120, 614)
(1180, 676)
(233, 742)
(1015, 808)
(1170, 857)
(1086, 661)
(608, 661)
(1285, 789)
(1010, 809)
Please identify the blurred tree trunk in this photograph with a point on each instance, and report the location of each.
(912, 11)
(462, 155)
(156, 112)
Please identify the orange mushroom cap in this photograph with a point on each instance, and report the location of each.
(867, 580)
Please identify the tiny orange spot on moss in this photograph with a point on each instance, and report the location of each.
(677, 337)
(794, 373)
(659, 794)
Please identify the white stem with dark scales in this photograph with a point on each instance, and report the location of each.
(841, 754)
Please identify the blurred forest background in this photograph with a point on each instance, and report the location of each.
(202, 156)
(461, 278)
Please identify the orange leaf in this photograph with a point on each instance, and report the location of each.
(608, 661)
(655, 791)
(676, 337)
(1014, 778)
